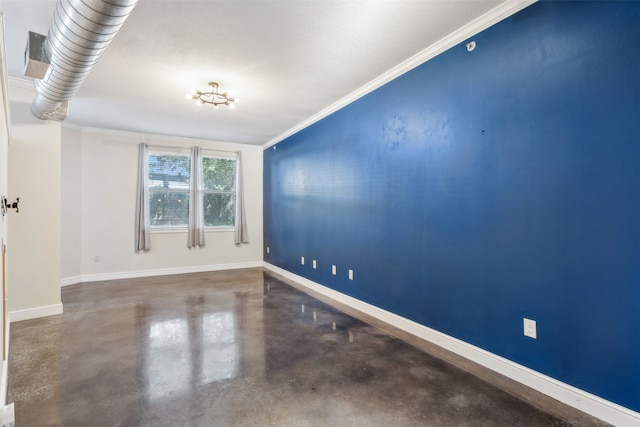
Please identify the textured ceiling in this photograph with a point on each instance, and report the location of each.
(285, 60)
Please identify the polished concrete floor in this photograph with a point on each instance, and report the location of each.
(238, 348)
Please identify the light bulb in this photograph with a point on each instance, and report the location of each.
(232, 106)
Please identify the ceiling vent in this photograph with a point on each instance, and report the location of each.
(36, 63)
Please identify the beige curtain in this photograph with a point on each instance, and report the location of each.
(242, 234)
(196, 213)
(143, 236)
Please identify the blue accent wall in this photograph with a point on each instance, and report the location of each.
(484, 187)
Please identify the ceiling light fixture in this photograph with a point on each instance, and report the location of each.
(212, 96)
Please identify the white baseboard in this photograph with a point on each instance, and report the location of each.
(3, 384)
(5, 366)
(34, 313)
(157, 272)
(565, 393)
(70, 280)
(7, 410)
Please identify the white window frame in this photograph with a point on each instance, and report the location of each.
(184, 152)
(226, 156)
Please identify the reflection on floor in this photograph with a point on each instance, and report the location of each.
(236, 348)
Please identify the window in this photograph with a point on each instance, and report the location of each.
(169, 176)
(169, 190)
(219, 191)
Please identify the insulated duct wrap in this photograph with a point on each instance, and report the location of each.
(80, 33)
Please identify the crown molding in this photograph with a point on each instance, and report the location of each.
(479, 24)
(21, 82)
(137, 137)
(27, 83)
(6, 114)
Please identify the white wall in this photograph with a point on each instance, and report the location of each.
(33, 249)
(99, 185)
(71, 192)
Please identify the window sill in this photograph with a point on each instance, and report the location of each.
(171, 230)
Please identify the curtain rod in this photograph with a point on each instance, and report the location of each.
(169, 147)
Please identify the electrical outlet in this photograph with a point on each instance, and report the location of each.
(302, 260)
(530, 328)
(267, 249)
(333, 270)
(350, 274)
(314, 264)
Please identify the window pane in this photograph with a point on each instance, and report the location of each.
(169, 189)
(219, 174)
(169, 171)
(169, 176)
(169, 208)
(219, 209)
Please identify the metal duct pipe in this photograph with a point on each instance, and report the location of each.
(80, 33)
